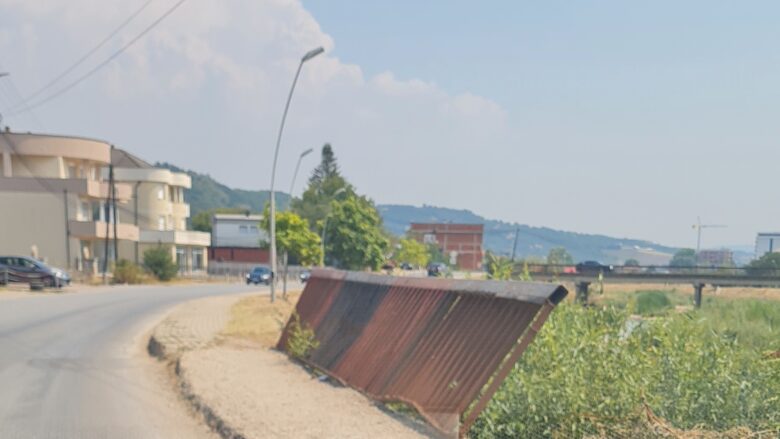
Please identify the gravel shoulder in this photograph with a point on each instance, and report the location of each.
(243, 389)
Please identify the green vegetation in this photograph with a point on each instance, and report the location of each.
(159, 262)
(684, 258)
(294, 237)
(631, 263)
(650, 303)
(301, 340)
(559, 256)
(126, 272)
(412, 252)
(599, 372)
(207, 193)
(767, 265)
(498, 267)
(355, 239)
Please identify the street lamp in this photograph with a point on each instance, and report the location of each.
(309, 55)
(325, 227)
(298, 165)
(1, 116)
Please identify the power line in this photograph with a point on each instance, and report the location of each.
(102, 64)
(82, 59)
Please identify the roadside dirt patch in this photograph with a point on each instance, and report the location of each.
(258, 320)
(269, 396)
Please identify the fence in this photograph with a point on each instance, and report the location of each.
(433, 344)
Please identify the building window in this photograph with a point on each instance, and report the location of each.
(160, 192)
(243, 229)
(181, 259)
(429, 238)
(253, 229)
(161, 223)
(197, 259)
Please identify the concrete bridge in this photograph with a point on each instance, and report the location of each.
(697, 277)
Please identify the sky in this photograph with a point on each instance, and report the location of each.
(628, 119)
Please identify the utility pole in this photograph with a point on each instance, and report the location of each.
(107, 209)
(113, 205)
(514, 246)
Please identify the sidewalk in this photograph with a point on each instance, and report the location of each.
(244, 390)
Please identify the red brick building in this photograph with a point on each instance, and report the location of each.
(462, 243)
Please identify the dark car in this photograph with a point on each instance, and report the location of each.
(31, 271)
(304, 276)
(593, 267)
(437, 269)
(259, 275)
(406, 266)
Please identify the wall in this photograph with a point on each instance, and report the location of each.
(28, 219)
(239, 254)
(227, 233)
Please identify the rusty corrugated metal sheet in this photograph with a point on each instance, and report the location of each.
(431, 343)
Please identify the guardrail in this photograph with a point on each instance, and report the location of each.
(442, 346)
(617, 270)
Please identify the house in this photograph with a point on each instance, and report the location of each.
(160, 212)
(52, 200)
(715, 258)
(767, 242)
(462, 243)
(235, 240)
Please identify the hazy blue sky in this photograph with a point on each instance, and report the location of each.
(623, 118)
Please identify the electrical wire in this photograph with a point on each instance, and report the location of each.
(80, 60)
(101, 65)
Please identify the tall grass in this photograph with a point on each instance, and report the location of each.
(592, 371)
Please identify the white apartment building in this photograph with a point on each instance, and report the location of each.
(237, 230)
(160, 212)
(52, 200)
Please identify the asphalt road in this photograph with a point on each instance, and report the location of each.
(72, 365)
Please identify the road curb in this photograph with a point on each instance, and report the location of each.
(170, 350)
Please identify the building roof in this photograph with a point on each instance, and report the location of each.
(237, 217)
(123, 159)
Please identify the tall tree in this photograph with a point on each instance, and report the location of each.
(559, 256)
(355, 239)
(325, 184)
(412, 252)
(685, 257)
(294, 237)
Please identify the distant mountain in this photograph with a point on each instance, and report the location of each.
(207, 193)
(532, 241)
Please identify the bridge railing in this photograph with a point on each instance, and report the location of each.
(645, 270)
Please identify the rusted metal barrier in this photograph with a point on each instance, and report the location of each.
(431, 343)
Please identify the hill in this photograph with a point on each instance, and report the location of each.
(532, 241)
(207, 193)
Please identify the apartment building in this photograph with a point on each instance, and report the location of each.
(462, 243)
(160, 212)
(52, 200)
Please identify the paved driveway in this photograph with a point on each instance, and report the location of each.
(72, 365)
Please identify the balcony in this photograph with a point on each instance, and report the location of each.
(97, 230)
(80, 186)
(176, 237)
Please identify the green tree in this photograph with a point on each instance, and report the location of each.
(159, 262)
(766, 265)
(436, 255)
(631, 263)
(412, 252)
(685, 257)
(355, 239)
(294, 236)
(324, 185)
(498, 267)
(559, 256)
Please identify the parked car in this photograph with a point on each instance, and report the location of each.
(593, 267)
(28, 270)
(259, 275)
(406, 266)
(304, 276)
(437, 269)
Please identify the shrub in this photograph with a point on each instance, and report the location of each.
(651, 303)
(301, 340)
(126, 272)
(159, 262)
(592, 371)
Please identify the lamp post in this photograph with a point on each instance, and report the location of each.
(309, 55)
(297, 166)
(325, 227)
